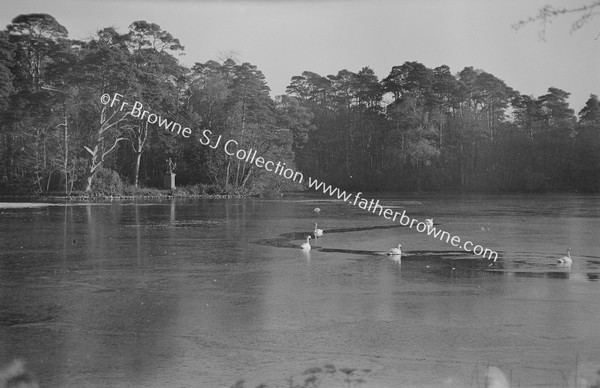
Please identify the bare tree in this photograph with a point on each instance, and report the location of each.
(98, 149)
(547, 13)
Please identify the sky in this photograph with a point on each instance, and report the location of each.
(283, 38)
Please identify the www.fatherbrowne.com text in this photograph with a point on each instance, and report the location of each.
(373, 206)
(231, 148)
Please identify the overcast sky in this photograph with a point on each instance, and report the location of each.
(285, 38)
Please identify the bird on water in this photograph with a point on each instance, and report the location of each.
(306, 246)
(318, 232)
(395, 251)
(566, 260)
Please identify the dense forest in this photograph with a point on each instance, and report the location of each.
(416, 129)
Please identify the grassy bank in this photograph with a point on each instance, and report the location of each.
(126, 192)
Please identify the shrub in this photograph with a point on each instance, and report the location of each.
(107, 182)
(131, 190)
(211, 189)
(197, 189)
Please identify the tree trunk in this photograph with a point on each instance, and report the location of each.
(140, 136)
(89, 180)
(462, 166)
(65, 165)
(247, 176)
(227, 176)
(136, 169)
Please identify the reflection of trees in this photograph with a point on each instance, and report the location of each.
(122, 313)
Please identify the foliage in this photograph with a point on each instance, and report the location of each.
(232, 100)
(418, 128)
(108, 182)
(320, 376)
(468, 131)
(197, 189)
(138, 191)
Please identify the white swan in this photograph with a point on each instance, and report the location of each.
(566, 259)
(395, 251)
(429, 222)
(306, 246)
(318, 232)
(317, 210)
(495, 378)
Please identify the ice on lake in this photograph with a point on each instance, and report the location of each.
(205, 292)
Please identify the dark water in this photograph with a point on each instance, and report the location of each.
(202, 293)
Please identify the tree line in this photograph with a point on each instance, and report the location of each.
(416, 129)
(443, 131)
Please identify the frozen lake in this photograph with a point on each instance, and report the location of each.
(203, 293)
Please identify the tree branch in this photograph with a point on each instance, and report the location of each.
(113, 147)
(105, 127)
(90, 151)
(548, 12)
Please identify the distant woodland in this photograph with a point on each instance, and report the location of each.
(417, 129)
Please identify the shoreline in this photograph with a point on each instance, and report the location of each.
(167, 194)
(106, 197)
